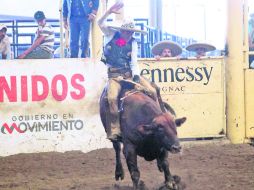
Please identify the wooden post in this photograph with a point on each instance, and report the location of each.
(235, 73)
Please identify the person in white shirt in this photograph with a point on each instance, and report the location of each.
(42, 47)
(5, 45)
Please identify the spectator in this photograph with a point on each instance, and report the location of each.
(42, 47)
(200, 49)
(79, 14)
(5, 45)
(166, 48)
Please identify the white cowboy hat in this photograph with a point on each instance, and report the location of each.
(205, 46)
(160, 46)
(128, 25)
(2, 26)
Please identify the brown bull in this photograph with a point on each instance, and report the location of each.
(147, 132)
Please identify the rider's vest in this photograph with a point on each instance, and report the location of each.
(118, 56)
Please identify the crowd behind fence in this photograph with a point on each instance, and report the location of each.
(22, 34)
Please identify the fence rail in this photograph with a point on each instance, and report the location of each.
(22, 34)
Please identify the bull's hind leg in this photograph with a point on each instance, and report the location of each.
(131, 159)
(119, 173)
(163, 165)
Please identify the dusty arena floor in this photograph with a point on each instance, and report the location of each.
(205, 166)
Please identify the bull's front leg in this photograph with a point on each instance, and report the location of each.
(119, 173)
(163, 165)
(131, 159)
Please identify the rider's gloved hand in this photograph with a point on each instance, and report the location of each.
(136, 78)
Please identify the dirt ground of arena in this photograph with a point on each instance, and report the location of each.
(201, 166)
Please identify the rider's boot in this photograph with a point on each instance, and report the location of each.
(115, 132)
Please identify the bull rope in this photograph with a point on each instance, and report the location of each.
(123, 98)
(129, 94)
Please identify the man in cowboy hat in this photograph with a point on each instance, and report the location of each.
(42, 47)
(200, 49)
(166, 48)
(120, 55)
(5, 45)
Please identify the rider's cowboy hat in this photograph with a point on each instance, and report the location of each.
(207, 47)
(160, 46)
(128, 25)
(3, 26)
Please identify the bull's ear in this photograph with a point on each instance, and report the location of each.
(180, 121)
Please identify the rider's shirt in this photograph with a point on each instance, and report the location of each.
(109, 34)
(118, 52)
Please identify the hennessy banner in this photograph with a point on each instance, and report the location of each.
(185, 76)
(195, 89)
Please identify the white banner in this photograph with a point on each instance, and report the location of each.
(51, 105)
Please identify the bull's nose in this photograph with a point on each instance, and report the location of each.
(178, 147)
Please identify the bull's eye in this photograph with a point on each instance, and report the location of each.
(160, 129)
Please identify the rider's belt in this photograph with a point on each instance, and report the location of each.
(118, 64)
(115, 72)
(118, 69)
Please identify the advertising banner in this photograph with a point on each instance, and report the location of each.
(51, 105)
(195, 89)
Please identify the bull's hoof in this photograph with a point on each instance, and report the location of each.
(119, 176)
(142, 186)
(119, 173)
(177, 179)
(169, 186)
(174, 184)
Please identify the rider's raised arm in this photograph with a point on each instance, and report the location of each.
(102, 21)
(103, 25)
(134, 59)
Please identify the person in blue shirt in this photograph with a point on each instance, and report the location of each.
(78, 15)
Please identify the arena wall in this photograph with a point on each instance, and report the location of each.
(52, 105)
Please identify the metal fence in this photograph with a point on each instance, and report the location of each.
(22, 34)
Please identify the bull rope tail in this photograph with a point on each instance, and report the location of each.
(126, 96)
